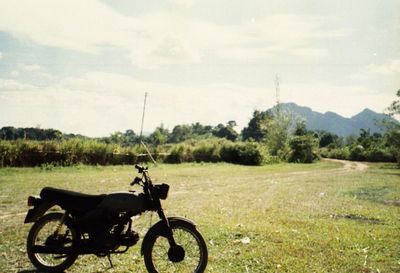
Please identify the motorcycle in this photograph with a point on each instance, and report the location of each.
(102, 225)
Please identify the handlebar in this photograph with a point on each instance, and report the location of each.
(140, 168)
(145, 179)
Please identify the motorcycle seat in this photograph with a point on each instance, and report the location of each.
(71, 200)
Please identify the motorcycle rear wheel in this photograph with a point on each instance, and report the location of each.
(190, 255)
(39, 235)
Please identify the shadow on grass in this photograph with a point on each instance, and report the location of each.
(356, 217)
(391, 166)
(376, 195)
(393, 173)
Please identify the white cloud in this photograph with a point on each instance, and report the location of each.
(1, 55)
(310, 52)
(99, 103)
(14, 73)
(383, 74)
(7, 85)
(391, 67)
(162, 38)
(183, 3)
(29, 67)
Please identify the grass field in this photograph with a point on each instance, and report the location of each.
(323, 217)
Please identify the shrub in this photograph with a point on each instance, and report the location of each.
(6, 153)
(207, 151)
(340, 153)
(95, 152)
(246, 153)
(28, 153)
(303, 149)
(180, 153)
(379, 154)
(357, 153)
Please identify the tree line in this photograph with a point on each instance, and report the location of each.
(270, 136)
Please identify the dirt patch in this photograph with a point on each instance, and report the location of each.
(350, 165)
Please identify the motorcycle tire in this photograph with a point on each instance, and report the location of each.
(160, 258)
(37, 236)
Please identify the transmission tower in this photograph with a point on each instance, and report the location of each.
(277, 94)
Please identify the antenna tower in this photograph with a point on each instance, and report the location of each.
(277, 94)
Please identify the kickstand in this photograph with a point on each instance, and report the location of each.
(109, 260)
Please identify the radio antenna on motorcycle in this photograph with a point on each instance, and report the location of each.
(144, 110)
(141, 130)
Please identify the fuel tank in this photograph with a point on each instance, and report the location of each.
(124, 201)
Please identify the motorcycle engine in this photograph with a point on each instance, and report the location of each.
(106, 231)
(129, 238)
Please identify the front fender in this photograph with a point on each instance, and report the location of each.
(159, 228)
(37, 211)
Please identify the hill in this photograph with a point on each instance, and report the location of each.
(335, 123)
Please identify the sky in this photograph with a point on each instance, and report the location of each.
(84, 66)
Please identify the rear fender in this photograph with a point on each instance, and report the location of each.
(38, 210)
(159, 228)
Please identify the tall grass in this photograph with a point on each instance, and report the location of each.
(218, 150)
(28, 153)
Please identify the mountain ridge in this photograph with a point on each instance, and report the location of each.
(333, 122)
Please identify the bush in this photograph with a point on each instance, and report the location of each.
(357, 153)
(303, 149)
(179, 153)
(207, 151)
(6, 153)
(378, 154)
(341, 153)
(246, 153)
(95, 152)
(28, 153)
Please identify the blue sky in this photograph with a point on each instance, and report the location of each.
(83, 66)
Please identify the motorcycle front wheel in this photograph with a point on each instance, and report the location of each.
(190, 255)
(42, 235)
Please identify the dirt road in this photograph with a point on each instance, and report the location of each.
(350, 165)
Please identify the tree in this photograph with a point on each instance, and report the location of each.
(198, 129)
(130, 138)
(159, 136)
(393, 134)
(180, 133)
(302, 148)
(8, 133)
(278, 133)
(394, 108)
(328, 139)
(116, 137)
(226, 131)
(300, 129)
(257, 129)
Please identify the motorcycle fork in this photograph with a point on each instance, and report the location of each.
(168, 230)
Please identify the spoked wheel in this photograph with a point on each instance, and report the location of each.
(189, 256)
(42, 235)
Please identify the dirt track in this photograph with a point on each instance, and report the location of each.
(350, 165)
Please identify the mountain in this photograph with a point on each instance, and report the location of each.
(332, 122)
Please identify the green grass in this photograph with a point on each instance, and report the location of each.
(298, 218)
